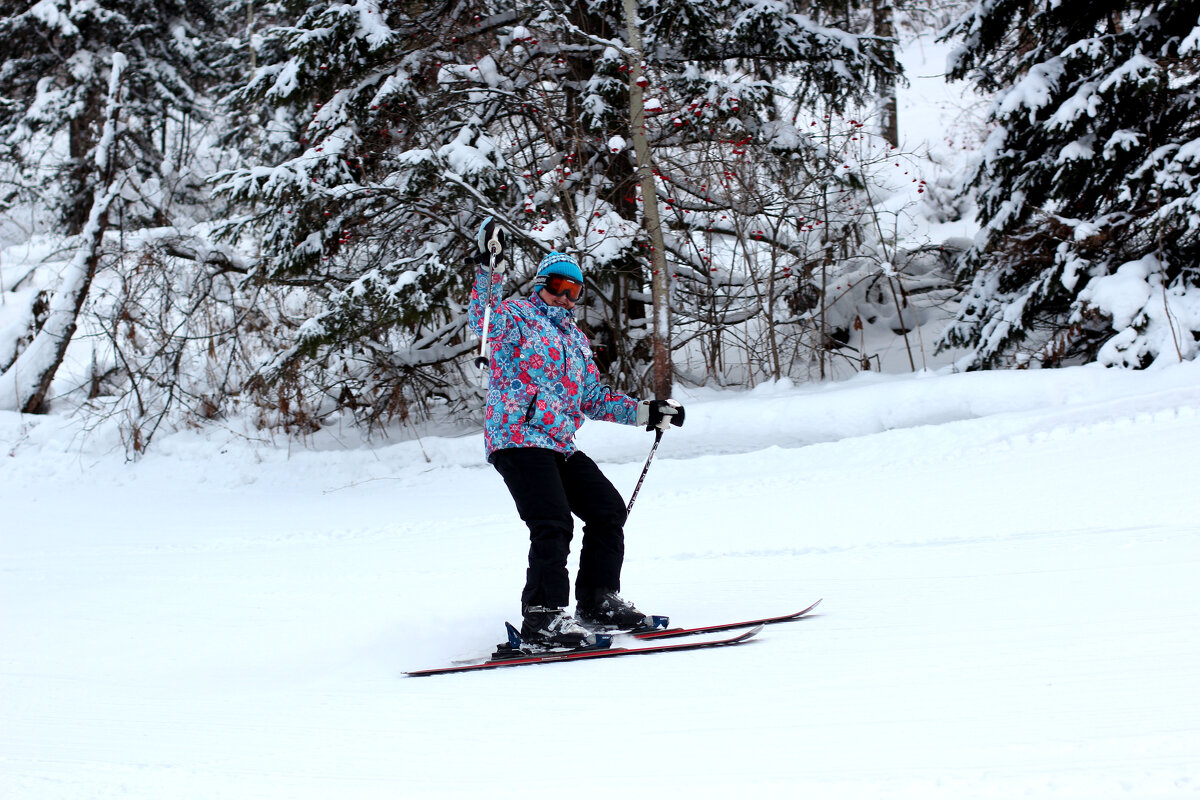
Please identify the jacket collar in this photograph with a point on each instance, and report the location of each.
(538, 302)
(562, 317)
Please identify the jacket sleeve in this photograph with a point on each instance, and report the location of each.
(500, 323)
(603, 403)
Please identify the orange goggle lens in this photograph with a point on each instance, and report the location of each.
(559, 285)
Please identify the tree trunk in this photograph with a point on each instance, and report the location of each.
(885, 28)
(660, 278)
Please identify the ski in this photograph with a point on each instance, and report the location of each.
(670, 633)
(660, 631)
(581, 655)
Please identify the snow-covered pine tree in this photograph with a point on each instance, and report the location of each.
(1089, 186)
(25, 383)
(55, 61)
(97, 96)
(368, 175)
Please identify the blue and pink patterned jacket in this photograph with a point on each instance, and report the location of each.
(543, 379)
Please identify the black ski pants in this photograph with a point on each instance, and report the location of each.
(547, 487)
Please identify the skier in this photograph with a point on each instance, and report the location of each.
(543, 382)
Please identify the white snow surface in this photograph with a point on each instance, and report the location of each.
(1007, 560)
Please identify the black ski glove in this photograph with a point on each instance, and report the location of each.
(488, 242)
(660, 414)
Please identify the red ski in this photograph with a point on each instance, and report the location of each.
(581, 655)
(670, 633)
(753, 626)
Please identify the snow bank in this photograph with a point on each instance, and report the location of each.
(719, 421)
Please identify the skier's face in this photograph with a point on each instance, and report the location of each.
(560, 300)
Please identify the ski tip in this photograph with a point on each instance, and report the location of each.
(748, 634)
(803, 613)
(737, 638)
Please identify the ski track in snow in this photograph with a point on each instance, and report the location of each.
(1007, 564)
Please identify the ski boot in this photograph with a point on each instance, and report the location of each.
(544, 627)
(607, 610)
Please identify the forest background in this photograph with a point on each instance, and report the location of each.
(264, 210)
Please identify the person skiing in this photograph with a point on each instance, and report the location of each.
(542, 384)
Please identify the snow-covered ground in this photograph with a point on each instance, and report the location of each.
(1008, 564)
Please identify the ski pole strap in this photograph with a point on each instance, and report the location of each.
(658, 434)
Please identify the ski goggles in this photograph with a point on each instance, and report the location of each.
(559, 285)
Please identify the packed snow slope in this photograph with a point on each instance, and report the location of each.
(1008, 564)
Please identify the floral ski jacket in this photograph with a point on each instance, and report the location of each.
(543, 379)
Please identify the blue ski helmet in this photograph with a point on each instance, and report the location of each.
(557, 263)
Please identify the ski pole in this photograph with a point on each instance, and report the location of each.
(494, 247)
(658, 434)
